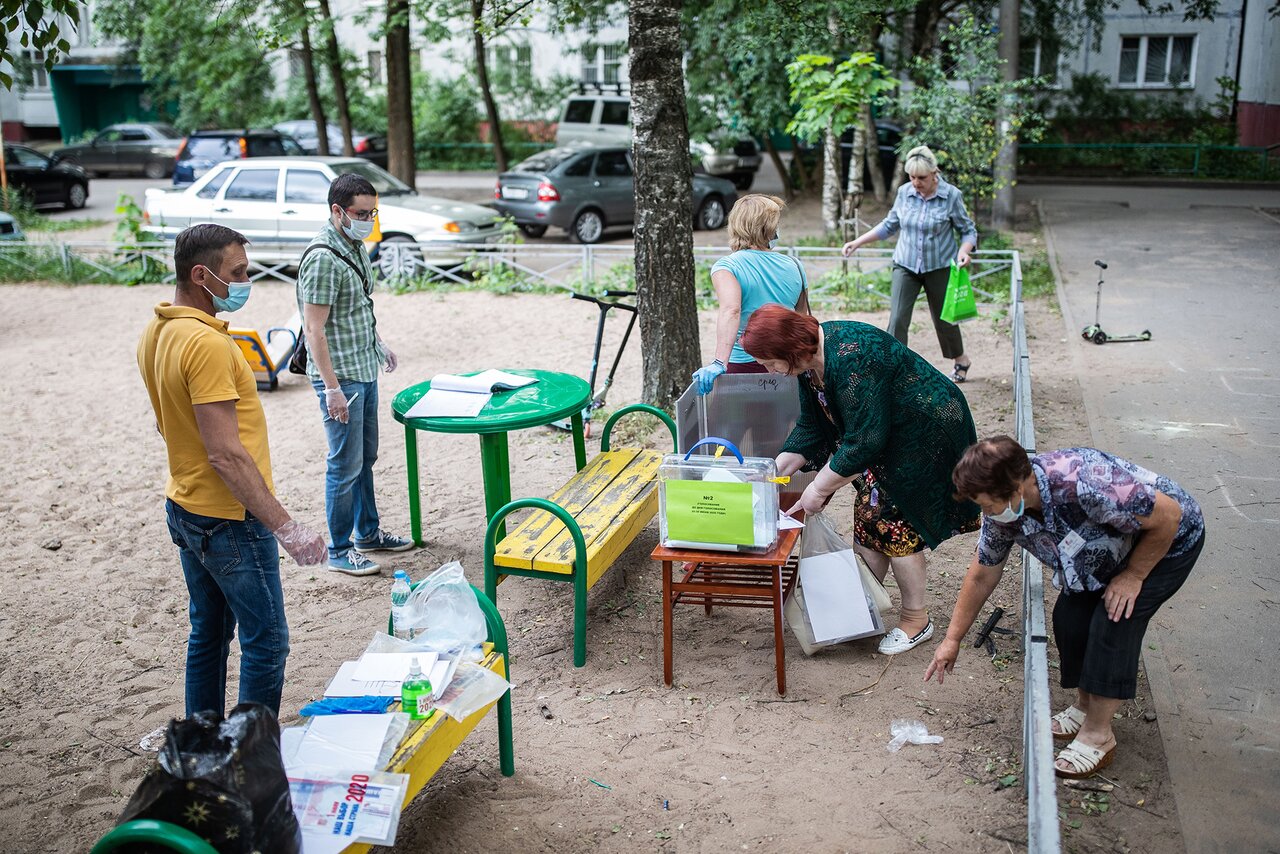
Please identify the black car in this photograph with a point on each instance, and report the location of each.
(205, 149)
(138, 148)
(44, 180)
(370, 146)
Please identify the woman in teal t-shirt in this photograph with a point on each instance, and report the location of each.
(751, 276)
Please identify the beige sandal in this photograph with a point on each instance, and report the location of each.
(1069, 721)
(1085, 760)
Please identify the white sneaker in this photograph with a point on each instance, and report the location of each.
(897, 641)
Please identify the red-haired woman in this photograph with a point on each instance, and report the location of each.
(1120, 540)
(872, 408)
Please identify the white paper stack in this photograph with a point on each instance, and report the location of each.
(453, 396)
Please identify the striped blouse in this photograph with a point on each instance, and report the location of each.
(928, 226)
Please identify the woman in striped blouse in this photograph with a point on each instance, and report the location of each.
(926, 215)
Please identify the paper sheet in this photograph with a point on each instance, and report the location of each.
(438, 403)
(391, 666)
(342, 741)
(786, 523)
(834, 600)
(344, 684)
(482, 383)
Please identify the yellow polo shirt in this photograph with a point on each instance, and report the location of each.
(187, 358)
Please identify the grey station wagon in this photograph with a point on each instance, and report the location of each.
(586, 190)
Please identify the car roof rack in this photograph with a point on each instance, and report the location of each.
(593, 88)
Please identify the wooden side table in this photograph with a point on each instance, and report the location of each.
(731, 579)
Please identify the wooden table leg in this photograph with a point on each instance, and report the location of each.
(411, 464)
(666, 621)
(778, 652)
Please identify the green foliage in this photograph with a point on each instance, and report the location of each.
(18, 204)
(40, 22)
(849, 288)
(832, 96)
(202, 55)
(1092, 110)
(368, 110)
(954, 110)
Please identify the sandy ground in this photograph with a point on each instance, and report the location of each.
(94, 631)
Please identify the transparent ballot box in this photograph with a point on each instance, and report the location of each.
(722, 503)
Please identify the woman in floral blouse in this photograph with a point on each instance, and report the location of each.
(1120, 540)
(873, 410)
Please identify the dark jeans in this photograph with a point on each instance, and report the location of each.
(349, 504)
(906, 287)
(232, 570)
(1100, 656)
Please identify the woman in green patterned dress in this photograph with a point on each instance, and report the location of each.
(875, 411)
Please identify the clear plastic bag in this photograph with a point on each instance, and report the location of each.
(443, 614)
(830, 573)
(472, 688)
(910, 732)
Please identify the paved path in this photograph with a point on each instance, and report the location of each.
(1200, 402)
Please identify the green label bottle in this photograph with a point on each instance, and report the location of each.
(415, 693)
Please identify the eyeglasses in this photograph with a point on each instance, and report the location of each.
(364, 216)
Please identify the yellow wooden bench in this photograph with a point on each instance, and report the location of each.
(581, 529)
(269, 358)
(423, 750)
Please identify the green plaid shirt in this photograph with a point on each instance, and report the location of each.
(351, 329)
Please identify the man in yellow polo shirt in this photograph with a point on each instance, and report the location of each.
(222, 513)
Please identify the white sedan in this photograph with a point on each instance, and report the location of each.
(281, 203)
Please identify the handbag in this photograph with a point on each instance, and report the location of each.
(298, 361)
(959, 304)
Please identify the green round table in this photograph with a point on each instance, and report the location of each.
(553, 397)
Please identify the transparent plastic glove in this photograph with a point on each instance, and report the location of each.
(910, 732)
(391, 361)
(304, 545)
(336, 402)
(705, 377)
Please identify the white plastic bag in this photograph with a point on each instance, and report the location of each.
(472, 688)
(831, 602)
(444, 616)
(910, 732)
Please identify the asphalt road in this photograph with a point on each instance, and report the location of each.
(1199, 402)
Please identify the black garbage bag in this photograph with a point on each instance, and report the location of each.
(222, 779)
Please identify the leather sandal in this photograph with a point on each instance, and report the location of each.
(1069, 722)
(959, 372)
(1085, 760)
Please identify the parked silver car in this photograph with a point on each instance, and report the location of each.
(280, 204)
(587, 190)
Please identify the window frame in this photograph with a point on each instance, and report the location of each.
(243, 170)
(1140, 79)
(303, 170)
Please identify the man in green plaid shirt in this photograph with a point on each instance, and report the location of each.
(344, 353)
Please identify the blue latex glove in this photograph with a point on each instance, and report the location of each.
(705, 377)
(347, 706)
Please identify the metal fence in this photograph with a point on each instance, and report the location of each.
(1043, 832)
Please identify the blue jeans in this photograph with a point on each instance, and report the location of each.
(232, 570)
(348, 483)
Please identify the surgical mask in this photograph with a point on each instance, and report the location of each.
(1008, 514)
(773, 244)
(237, 294)
(357, 229)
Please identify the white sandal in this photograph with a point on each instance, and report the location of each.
(1069, 722)
(1085, 760)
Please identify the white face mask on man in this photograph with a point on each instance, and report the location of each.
(357, 229)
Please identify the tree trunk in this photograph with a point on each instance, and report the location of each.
(333, 58)
(830, 180)
(313, 93)
(1006, 167)
(873, 155)
(664, 202)
(787, 190)
(482, 78)
(400, 159)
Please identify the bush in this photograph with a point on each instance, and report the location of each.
(1093, 111)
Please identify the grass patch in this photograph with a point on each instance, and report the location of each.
(17, 204)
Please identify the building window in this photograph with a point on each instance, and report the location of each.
(375, 68)
(31, 71)
(604, 63)
(510, 65)
(1039, 60)
(1157, 61)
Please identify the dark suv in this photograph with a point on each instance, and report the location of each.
(204, 149)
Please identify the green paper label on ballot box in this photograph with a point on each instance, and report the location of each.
(702, 512)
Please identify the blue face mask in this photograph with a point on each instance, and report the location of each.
(1008, 514)
(237, 294)
(773, 244)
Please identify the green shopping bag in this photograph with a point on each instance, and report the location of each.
(959, 304)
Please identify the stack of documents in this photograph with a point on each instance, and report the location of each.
(452, 396)
(380, 674)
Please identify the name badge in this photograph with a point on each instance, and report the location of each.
(1071, 545)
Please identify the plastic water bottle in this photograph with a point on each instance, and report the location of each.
(400, 591)
(415, 693)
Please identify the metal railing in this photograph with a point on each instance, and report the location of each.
(1150, 158)
(1043, 832)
